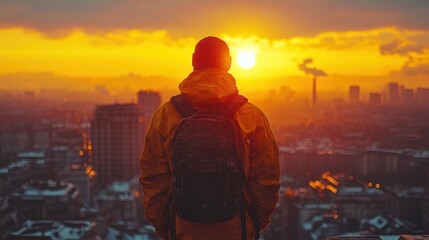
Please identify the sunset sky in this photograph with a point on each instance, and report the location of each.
(362, 42)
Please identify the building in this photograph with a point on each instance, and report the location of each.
(381, 227)
(13, 141)
(381, 164)
(41, 138)
(147, 103)
(357, 202)
(24, 170)
(8, 217)
(83, 176)
(375, 99)
(406, 202)
(46, 199)
(120, 201)
(393, 94)
(30, 165)
(426, 205)
(422, 97)
(322, 226)
(62, 156)
(115, 146)
(407, 97)
(130, 231)
(48, 229)
(378, 163)
(68, 148)
(354, 94)
(382, 224)
(404, 137)
(31, 155)
(300, 205)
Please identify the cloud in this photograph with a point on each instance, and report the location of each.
(274, 18)
(416, 66)
(349, 39)
(400, 47)
(418, 59)
(313, 71)
(421, 69)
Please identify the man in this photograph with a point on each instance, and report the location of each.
(210, 84)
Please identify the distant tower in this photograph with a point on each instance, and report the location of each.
(314, 93)
(393, 94)
(148, 102)
(115, 142)
(422, 97)
(316, 73)
(374, 99)
(354, 94)
(407, 96)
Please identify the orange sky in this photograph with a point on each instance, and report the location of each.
(101, 47)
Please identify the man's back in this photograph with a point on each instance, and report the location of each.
(257, 150)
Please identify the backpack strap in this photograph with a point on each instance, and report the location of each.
(183, 107)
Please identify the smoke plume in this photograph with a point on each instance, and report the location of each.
(313, 71)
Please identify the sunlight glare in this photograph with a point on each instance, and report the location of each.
(246, 59)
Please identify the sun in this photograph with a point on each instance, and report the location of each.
(246, 59)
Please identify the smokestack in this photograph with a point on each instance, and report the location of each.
(314, 93)
(313, 71)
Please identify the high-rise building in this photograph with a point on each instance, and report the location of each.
(393, 93)
(115, 142)
(67, 148)
(354, 94)
(422, 96)
(407, 96)
(147, 103)
(374, 99)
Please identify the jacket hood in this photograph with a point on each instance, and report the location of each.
(208, 85)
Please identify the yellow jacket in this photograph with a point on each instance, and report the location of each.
(258, 151)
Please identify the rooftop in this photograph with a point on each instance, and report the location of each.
(406, 192)
(382, 237)
(48, 188)
(130, 231)
(118, 191)
(359, 190)
(32, 154)
(54, 230)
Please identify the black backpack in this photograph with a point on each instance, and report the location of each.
(208, 177)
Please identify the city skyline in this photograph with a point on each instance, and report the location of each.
(381, 146)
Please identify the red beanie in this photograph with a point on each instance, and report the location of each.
(211, 52)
